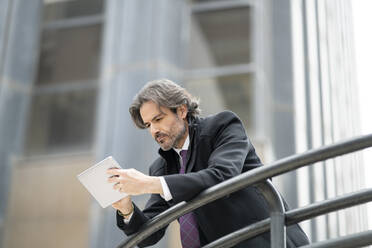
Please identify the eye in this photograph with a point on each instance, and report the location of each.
(147, 125)
(158, 119)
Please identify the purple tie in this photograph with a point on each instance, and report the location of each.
(188, 226)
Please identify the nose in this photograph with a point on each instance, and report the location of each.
(153, 129)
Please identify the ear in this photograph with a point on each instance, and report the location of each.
(182, 111)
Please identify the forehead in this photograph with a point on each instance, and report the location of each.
(149, 110)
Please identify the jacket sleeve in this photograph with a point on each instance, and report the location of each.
(230, 147)
(154, 206)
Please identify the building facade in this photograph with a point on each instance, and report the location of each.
(69, 70)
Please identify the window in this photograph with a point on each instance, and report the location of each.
(221, 65)
(65, 9)
(64, 97)
(234, 92)
(220, 37)
(69, 54)
(62, 122)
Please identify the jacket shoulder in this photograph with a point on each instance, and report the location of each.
(221, 120)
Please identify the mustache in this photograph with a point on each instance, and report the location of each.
(159, 136)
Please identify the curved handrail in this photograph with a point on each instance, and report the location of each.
(348, 241)
(294, 216)
(277, 210)
(245, 179)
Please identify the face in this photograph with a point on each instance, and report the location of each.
(169, 129)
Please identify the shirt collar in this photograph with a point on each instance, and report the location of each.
(185, 145)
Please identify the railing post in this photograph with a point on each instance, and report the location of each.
(277, 214)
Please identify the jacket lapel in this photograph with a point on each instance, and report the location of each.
(194, 138)
(172, 162)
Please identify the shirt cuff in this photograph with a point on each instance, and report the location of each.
(126, 221)
(167, 194)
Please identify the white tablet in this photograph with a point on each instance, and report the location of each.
(95, 181)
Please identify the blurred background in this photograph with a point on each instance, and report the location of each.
(297, 72)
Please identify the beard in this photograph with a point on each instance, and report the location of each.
(170, 140)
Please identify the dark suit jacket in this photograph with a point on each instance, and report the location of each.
(219, 149)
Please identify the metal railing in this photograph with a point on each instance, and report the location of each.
(257, 176)
(295, 216)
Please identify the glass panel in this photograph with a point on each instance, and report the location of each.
(61, 122)
(62, 9)
(233, 93)
(69, 54)
(221, 37)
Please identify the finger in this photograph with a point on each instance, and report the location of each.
(117, 186)
(114, 179)
(115, 172)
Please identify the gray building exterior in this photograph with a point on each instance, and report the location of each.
(69, 71)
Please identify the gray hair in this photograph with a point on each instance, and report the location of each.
(164, 93)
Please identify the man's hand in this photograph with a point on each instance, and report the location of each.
(124, 205)
(133, 182)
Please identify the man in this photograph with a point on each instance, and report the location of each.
(195, 154)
